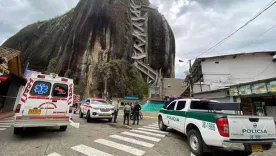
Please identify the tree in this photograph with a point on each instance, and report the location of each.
(68, 74)
(52, 66)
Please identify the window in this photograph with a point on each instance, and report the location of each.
(171, 106)
(181, 105)
(87, 101)
(41, 88)
(60, 90)
(203, 105)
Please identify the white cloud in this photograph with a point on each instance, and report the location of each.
(16, 14)
(200, 24)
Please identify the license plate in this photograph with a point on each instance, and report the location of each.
(257, 148)
(105, 115)
(34, 111)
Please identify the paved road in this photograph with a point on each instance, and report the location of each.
(98, 138)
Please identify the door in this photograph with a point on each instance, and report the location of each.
(57, 105)
(170, 115)
(86, 105)
(36, 103)
(180, 116)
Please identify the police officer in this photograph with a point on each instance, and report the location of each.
(126, 113)
(116, 110)
(136, 112)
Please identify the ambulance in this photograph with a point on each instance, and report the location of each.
(45, 101)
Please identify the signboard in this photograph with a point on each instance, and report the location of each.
(3, 70)
(259, 88)
(233, 91)
(271, 86)
(131, 97)
(245, 90)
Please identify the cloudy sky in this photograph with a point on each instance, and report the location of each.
(197, 24)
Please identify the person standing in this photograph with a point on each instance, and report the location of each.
(126, 113)
(136, 112)
(116, 110)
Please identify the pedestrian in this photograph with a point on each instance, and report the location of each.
(116, 110)
(136, 112)
(126, 113)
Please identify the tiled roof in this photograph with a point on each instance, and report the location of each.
(8, 53)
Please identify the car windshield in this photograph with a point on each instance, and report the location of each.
(99, 102)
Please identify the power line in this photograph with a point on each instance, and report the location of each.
(244, 25)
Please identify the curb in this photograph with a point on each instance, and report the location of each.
(151, 117)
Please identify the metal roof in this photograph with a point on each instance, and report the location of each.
(8, 53)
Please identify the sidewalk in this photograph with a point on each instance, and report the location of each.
(152, 115)
(6, 115)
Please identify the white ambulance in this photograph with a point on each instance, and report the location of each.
(45, 101)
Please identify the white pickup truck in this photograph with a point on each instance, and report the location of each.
(212, 125)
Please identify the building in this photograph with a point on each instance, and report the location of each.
(11, 78)
(167, 87)
(247, 78)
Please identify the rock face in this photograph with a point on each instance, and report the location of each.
(91, 35)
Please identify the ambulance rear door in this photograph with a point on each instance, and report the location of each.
(58, 105)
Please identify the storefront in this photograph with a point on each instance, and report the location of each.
(256, 98)
(11, 79)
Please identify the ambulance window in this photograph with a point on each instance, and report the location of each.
(60, 90)
(181, 105)
(41, 88)
(171, 106)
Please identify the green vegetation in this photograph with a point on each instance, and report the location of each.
(68, 74)
(52, 66)
(122, 79)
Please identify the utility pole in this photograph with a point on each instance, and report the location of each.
(190, 78)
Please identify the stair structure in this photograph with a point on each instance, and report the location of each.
(140, 40)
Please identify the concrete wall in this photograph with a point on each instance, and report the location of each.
(172, 86)
(218, 72)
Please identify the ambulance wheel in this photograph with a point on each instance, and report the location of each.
(243, 153)
(161, 124)
(88, 118)
(17, 130)
(81, 114)
(195, 142)
(62, 128)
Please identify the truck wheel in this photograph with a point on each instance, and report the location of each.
(62, 128)
(195, 142)
(81, 114)
(88, 119)
(17, 130)
(161, 124)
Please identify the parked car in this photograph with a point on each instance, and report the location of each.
(96, 108)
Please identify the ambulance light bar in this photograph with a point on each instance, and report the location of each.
(64, 79)
(40, 76)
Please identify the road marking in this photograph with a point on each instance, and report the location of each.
(151, 130)
(53, 154)
(152, 127)
(74, 124)
(155, 124)
(5, 126)
(6, 123)
(122, 147)
(89, 151)
(134, 141)
(141, 136)
(149, 133)
(1, 129)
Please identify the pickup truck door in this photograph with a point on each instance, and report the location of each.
(168, 114)
(251, 127)
(180, 114)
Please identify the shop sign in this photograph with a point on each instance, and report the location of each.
(245, 90)
(271, 86)
(3, 70)
(131, 97)
(259, 88)
(233, 91)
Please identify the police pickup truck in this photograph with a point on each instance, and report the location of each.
(212, 125)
